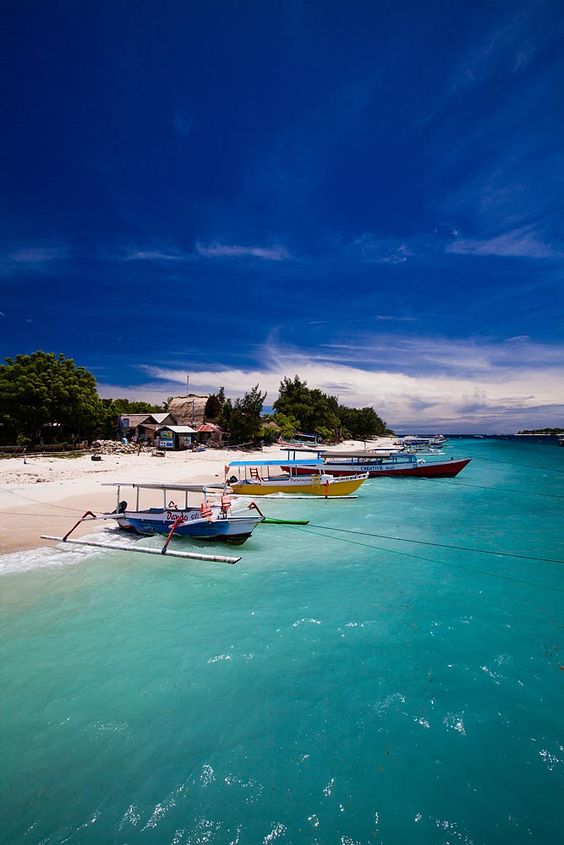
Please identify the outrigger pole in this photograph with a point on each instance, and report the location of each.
(89, 516)
(144, 549)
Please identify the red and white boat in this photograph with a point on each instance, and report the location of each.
(387, 464)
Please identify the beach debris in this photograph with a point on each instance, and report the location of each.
(116, 447)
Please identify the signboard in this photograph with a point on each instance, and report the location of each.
(166, 440)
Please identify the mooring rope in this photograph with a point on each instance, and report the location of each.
(436, 545)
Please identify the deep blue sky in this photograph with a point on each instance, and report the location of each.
(369, 194)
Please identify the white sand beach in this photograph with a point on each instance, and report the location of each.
(47, 494)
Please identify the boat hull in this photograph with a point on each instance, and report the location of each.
(418, 469)
(299, 486)
(232, 529)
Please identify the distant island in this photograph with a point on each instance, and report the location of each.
(552, 431)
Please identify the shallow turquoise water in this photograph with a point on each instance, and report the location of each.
(330, 688)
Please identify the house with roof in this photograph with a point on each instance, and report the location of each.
(210, 434)
(175, 436)
(143, 427)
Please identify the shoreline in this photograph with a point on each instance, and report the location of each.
(48, 495)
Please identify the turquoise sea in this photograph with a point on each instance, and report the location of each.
(333, 687)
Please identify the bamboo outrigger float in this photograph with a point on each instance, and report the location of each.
(207, 521)
(144, 549)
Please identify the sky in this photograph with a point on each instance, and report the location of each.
(367, 194)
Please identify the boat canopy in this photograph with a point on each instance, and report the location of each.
(363, 455)
(325, 453)
(308, 450)
(284, 461)
(184, 488)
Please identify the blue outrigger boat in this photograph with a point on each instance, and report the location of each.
(203, 521)
(206, 521)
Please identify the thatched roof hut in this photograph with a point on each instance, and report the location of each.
(189, 410)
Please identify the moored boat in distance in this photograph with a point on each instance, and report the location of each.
(416, 443)
(253, 478)
(377, 464)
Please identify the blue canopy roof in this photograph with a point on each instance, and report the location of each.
(285, 461)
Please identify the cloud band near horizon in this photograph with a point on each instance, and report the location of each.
(505, 387)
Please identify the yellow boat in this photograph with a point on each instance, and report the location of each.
(253, 478)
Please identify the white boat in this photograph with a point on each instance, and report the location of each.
(416, 443)
(380, 464)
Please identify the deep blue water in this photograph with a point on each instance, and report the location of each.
(330, 688)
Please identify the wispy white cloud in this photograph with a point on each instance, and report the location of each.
(387, 318)
(508, 49)
(382, 250)
(235, 380)
(457, 385)
(518, 243)
(201, 250)
(467, 358)
(394, 318)
(156, 255)
(220, 250)
(39, 257)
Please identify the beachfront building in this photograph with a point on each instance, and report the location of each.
(175, 437)
(143, 427)
(210, 434)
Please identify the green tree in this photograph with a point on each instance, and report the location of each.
(214, 405)
(542, 431)
(113, 409)
(362, 423)
(318, 413)
(128, 406)
(269, 432)
(47, 395)
(294, 400)
(242, 419)
(324, 414)
(288, 425)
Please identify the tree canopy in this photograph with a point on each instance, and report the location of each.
(242, 419)
(215, 404)
(316, 412)
(542, 431)
(115, 408)
(46, 396)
